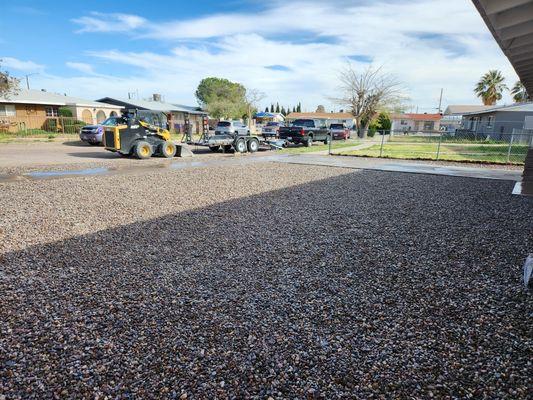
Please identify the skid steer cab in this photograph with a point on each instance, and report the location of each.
(141, 133)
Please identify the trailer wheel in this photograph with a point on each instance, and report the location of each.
(143, 150)
(240, 145)
(214, 148)
(253, 145)
(168, 149)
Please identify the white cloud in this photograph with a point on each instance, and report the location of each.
(115, 22)
(20, 65)
(82, 67)
(428, 44)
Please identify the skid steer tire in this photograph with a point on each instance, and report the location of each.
(167, 149)
(143, 150)
(214, 149)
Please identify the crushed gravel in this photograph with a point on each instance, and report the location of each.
(264, 281)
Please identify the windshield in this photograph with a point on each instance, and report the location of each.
(336, 126)
(273, 124)
(112, 121)
(224, 124)
(307, 123)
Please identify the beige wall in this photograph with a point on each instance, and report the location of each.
(82, 113)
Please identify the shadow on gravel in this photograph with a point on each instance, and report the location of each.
(77, 143)
(364, 284)
(95, 154)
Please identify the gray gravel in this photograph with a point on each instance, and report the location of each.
(264, 281)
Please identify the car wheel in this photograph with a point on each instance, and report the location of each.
(327, 140)
(309, 142)
(253, 145)
(227, 148)
(143, 150)
(94, 143)
(168, 149)
(214, 148)
(240, 146)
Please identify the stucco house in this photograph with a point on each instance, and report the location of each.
(39, 109)
(178, 115)
(415, 122)
(328, 118)
(499, 122)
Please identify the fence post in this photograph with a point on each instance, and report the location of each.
(509, 150)
(438, 146)
(382, 140)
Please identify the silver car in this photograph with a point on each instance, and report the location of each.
(231, 128)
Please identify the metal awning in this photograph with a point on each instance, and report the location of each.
(511, 23)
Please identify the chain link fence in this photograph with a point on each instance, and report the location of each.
(502, 148)
(36, 125)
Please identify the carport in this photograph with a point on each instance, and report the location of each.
(511, 24)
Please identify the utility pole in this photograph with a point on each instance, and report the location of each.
(440, 100)
(28, 81)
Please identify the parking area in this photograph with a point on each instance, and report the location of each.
(262, 280)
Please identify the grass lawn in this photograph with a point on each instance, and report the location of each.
(337, 144)
(493, 153)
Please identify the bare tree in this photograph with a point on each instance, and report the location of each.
(8, 84)
(367, 93)
(253, 97)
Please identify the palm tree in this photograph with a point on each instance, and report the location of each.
(490, 87)
(519, 92)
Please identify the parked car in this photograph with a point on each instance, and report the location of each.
(271, 130)
(339, 132)
(232, 128)
(92, 134)
(305, 131)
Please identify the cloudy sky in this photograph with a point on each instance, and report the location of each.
(290, 50)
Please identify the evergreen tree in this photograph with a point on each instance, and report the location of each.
(272, 108)
(277, 108)
(293, 109)
(266, 109)
(299, 107)
(283, 112)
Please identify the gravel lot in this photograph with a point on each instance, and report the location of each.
(264, 281)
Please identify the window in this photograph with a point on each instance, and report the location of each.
(7, 110)
(51, 111)
(490, 121)
(403, 122)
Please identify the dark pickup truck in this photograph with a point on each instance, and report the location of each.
(305, 131)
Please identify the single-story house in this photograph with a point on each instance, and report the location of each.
(499, 122)
(415, 122)
(328, 118)
(178, 115)
(264, 117)
(39, 109)
(453, 116)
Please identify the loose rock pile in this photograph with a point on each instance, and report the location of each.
(264, 281)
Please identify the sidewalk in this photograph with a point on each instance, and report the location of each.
(381, 164)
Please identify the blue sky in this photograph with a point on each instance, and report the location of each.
(290, 50)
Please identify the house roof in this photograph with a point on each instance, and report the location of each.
(520, 107)
(152, 105)
(463, 109)
(418, 117)
(311, 115)
(48, 98)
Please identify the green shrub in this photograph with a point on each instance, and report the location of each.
(65, 112)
